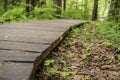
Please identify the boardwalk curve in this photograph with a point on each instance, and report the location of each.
(24, 45)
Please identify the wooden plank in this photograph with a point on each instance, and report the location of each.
(18, 56)
(15, 71)
(37, 27)
(30, 47)
(66, 21)
(30, 32)
(28, 39)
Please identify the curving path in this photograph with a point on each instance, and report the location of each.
(24, 45)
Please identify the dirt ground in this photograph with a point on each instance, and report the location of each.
(83, 55)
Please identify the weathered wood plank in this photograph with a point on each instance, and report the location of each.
(28, 39)
(30, 32)
(30, 47)
(38, 27)
(18, 56)
(15, 71)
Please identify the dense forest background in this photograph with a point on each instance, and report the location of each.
(24, 10)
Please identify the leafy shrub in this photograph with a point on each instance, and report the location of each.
(111, 31)
(43, 12)
(75, 14)
(16, 14)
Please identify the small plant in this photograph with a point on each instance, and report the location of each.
(48, 62)
(75, 32)
(53, 70)
(85, 55)
(118, 57)
(16, 14)
(70, 43)
(65, 74)
(65, 64)
(96, 56)
(110, 61)
(107, 43)
(87, 78)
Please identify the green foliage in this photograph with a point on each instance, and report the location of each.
(16, 14)
(107, 43)
(75, 14)
(118, 56)
(45, 12)
(71, 14)
(110, 31)
(75, 32)
(76, 9)
(87, 53)
(65, 74)
(114, 13)
(87, 78)
(1, 11)
(96, 56)
(48, 62)
(53, 70)
(65, 64)
(56, 71)
(70, 43)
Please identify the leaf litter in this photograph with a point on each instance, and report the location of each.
(82, 57)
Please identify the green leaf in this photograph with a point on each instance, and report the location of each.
(48, 62)
(64, 74)
(53, 70)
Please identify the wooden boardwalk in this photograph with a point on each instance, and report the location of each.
(24, 45)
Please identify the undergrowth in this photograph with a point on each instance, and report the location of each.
(85, 54)
(110, 31)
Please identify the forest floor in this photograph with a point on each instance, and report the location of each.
(82, 55)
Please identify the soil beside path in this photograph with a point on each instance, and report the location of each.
(83, 55)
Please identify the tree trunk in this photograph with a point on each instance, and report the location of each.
(114, 11)
(59, 4)
(64, 5)
(33, 3)
(43, 2)
(95, 10)
(5, 5)
(27, 7)
(86, 12)
(13, 2)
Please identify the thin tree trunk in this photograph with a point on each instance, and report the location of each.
(5, 5)
(114, 11)
(43, 2)
(33, 3)
(64, 5)
(13, 2)
(59, 4)
(95, 10)
(86, 9)
(27, 7)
